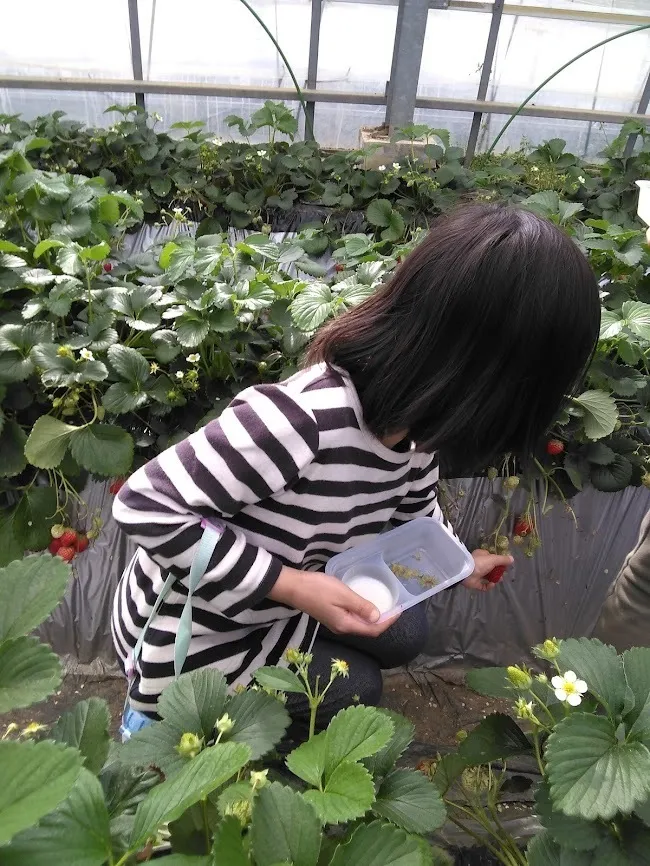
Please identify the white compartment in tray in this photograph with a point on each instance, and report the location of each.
(404, 566)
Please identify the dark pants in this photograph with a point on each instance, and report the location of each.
(366, 657)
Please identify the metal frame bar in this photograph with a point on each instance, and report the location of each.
(486, 72)
(312, 63)
(136, 50)
(174, 88)
(642, 109)
(402, 88)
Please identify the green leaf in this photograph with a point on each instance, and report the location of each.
(36, 777)
(495, 737)
(34, 517)
(260, 721)
(167, 801)
(194, 702)
(12, 448)
(636, 664)
(103, 450)
(48, 442)
(279, 679)
(408, 799)
(599, 453)
(599, 666)
(96, 253)
(307, 761)
(46, 245)
(10, 548)
(228, 845)
(67, 258)
(379, 212)
(600, 411)
(78, 831)
(191, 329)
(572, 832)
(29, 672)
(348, 794)
(637, 318)
(544, 851)
(108, 209)
(380, 844)
(491, 682)
(154, 746)
(86, 728)
(10, 247)
(160, 185)
(284, 828)
(396, 227)
(123, 397)
(593, 775)
(181, 261)
(545, 203)
(313, 306)
(129, 364)
(613, 477)
(355, 733)
(384, 760)
(611, 324)
(568, 209)
(30, 589)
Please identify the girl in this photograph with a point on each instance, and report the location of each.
(468, 350)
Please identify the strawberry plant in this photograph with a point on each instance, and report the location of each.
(197, 779)
(583, 722)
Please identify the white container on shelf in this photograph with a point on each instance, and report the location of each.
(404, 566)
(643, 207)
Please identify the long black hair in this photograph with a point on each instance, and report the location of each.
(476, 339)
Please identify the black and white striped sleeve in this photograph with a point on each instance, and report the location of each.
(260, 444)
(421, 500)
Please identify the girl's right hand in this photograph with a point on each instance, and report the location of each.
(329, 601)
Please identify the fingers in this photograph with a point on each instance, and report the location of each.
(358, 605)
(354, 625)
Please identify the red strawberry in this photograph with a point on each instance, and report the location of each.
(54, 545)
(399, 260)
(496, 574)
(68, 539)
(554, 447)
(67, 554)
(108, 267)
(116, 486)
(522, 527)
(82, 542)
(339, 268)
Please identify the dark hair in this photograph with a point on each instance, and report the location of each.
(476, 339)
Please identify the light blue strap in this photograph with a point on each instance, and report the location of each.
(200, 562)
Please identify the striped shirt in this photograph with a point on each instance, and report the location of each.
(296, 476)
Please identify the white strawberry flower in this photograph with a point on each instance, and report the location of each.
(87, 355)
(180, 374)
(569, 689)
(396, 166)
(581, 179)
(381, 168)
(194, 358)
(261, 153)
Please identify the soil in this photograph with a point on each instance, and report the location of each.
(437, 702)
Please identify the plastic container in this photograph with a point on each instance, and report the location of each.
(643, 207)
(404, 566)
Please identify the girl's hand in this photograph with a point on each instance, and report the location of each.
(484, 562)
(329, 601)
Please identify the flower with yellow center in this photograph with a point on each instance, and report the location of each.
(340, 668)
(569, 689)
(259, 779)
(225, 724)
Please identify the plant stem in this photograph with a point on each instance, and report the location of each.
(206, 827)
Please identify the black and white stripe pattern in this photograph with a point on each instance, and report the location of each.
(296, 476)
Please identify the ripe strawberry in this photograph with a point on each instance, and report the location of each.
(496, 574)
(67, 554)
(339, 268)
(108, 267)
(68, 539)
(522, 527)
(116, 486)
(554, 447)
(54, 545)
(82, 542)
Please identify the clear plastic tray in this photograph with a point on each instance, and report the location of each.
(403, 566)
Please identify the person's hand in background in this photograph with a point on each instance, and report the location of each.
(484, 564)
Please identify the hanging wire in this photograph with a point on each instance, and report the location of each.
(557, 72)
(301, 99)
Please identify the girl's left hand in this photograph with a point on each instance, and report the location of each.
(484, 562)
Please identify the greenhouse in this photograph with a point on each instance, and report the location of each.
(325, 433)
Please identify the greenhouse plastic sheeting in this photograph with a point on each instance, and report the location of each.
(558, 592)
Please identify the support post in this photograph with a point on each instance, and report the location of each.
(312, 64)
(136, 50)
(486, 72)
(642, 108)
(407, 59)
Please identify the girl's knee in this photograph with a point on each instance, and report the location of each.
(406, 638)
